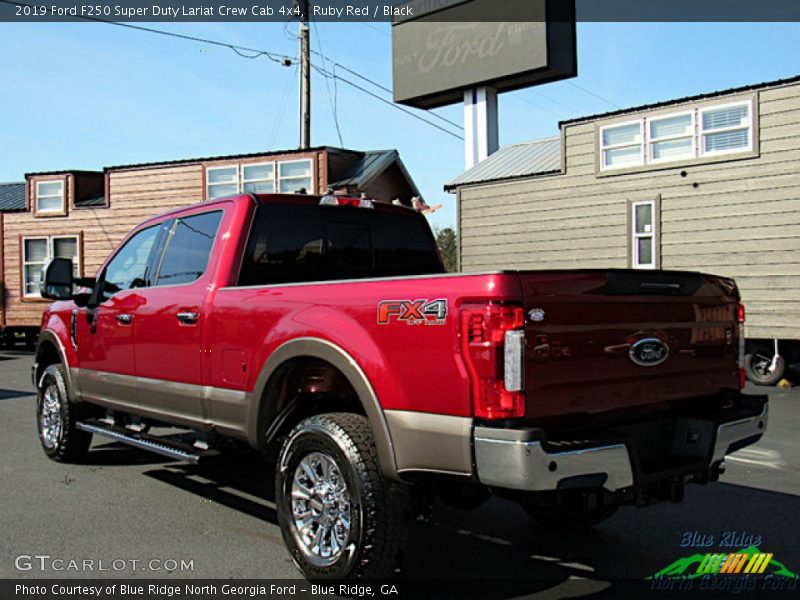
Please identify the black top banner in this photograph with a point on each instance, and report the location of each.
(394, 11)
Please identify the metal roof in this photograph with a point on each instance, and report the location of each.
(527, 159)
(63, 172)
(541, 157)
(99, 200)
(365, 170)
(695, 98)
(166, 163)
(12, 197)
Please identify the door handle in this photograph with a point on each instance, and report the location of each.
(188, 317)
(124, 319)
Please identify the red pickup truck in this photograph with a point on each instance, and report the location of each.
(324, 332)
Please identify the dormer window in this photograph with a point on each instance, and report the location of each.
(50, 197)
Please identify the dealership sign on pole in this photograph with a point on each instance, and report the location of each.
(447, 51)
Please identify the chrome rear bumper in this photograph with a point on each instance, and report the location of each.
(508, 458)
(517, 458)
(732, 434)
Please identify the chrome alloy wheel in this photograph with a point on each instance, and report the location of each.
(320, 508)
(50, 418)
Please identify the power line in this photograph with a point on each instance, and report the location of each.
(282, 106)
(591, 93)
(381, 31)
(328, 87)
(558, 103)
(539, 106)
(385, 89)
(325, 73)
(280, 59)
(240, 50)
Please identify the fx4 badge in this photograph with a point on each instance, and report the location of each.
(649, 352)
(413, 312)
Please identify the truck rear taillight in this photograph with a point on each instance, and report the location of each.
(492, 344)
(740, 313)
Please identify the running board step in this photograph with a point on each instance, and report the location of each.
(152, 443)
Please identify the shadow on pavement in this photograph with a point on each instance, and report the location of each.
(8, 353)
(497, 551)
(241, 481)
(117, 454)
(11, 394)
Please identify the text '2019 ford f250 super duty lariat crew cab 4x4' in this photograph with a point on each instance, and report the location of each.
(325, 333)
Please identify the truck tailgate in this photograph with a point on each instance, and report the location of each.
(602, 340)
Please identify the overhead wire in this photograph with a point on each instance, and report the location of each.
(374, 28)
(386, 89)
(591, 93)
(326, 73)
(281, 59)
(539, 106)
(282, 106)
(328, 87)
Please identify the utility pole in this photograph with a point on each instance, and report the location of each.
(305, 77)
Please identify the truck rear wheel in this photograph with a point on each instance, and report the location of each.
(758, 368)
(56, 417)
(340, 518)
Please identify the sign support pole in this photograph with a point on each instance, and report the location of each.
(480, 124)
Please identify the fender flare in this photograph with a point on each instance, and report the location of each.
(50, 337)
(311, 347)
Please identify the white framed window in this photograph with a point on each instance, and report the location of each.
(671, 137)
(690, 134)
(643, 234)
(258, 178)
(285, 177)
(222, 181)
(296, 174)
(622, 145)
(40, 250)
(50, 196)
(726, 129)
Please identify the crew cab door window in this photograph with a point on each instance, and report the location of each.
(188, 248)
(130, 266)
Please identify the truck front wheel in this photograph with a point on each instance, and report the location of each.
(56, 417)
(340, 518)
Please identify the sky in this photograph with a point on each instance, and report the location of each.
(90, 95)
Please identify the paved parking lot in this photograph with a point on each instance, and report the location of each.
(219, 521)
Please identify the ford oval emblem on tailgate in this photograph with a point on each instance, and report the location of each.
(649, 352)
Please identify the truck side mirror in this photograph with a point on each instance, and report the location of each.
(57, 281)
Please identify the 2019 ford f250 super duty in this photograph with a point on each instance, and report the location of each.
(325, 332)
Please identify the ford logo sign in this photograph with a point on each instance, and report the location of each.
(649, 352)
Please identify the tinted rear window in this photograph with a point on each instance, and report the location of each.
(292, 243)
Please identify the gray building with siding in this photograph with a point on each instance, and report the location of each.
(708, 183)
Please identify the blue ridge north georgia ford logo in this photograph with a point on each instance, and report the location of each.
(649, 352)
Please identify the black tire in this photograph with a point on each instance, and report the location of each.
(757, 368)
(565, 517)
(56, 417)
(377, 509)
